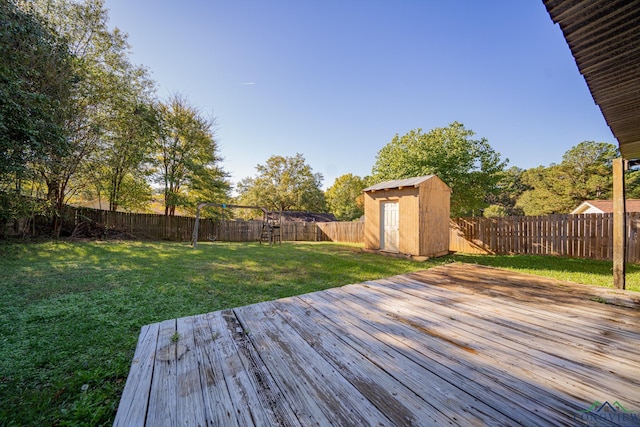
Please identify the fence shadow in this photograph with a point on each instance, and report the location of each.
(541, 262)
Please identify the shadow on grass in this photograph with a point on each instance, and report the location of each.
(535, 262)
(587, 271)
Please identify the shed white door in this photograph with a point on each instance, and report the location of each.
(389, 227)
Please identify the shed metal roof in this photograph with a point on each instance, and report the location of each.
(604, 38)
(397, 183)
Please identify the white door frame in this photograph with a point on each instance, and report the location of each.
(389, 226)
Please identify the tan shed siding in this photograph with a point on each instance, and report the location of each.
(434, 225)
(423, 213)
(372, 221)
(409, 220)
(407, 199)
(371, 239)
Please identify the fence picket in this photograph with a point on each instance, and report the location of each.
(180, 228)
(578, 236)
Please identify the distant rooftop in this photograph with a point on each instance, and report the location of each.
(606, 206)
(297, 216)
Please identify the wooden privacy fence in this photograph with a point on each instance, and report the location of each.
(346, 232)
(142, 226)
(180, 228)
(579, 236)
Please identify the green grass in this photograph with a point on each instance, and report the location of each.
(71, 312)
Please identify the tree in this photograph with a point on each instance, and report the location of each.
(284, 183)
(548, 193)
(345, 199)
(509, 188)
(585, 173)
(35, 78)
(128, 144)
(588, 167)
(188, 157)
(102, 71)
(632, 184)
(470, 167)
(493, 211)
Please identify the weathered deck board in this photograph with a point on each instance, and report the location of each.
(163, 396)
(136, 393)
(454, 345)
(304, 376)
(499, 346)
(354, 361)
(516, 335)
(208, 344)
(418, 380)
(469, 369)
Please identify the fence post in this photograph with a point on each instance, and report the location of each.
(619, 224)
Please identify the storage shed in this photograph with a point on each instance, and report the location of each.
(408, 216)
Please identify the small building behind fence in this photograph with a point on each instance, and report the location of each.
(604, 206)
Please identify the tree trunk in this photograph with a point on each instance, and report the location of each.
(53, 195)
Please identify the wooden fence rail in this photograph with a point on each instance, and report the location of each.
(180, 228)
(577, 236)
(346, 232)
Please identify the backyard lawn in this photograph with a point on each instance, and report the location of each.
(72, 311)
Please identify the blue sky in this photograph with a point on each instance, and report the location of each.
(335, 80)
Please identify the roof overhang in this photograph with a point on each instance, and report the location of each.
(398, 184)
(604, 38)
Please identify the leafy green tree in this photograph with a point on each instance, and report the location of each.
(188, 160)
(509, 188)
(470, 167)
(585, 173)
(632, 184)
(35, 78)
(210, 184)
(548, 192)
(345, 199)
(284, 183)
(134, 194)
(126, 147)
(588, 167)
(493, 211)
(102, 71)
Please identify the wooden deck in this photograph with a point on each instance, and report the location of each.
(453, 345)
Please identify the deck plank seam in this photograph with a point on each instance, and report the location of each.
(420, 362)
(340, 368)
(268, 387)
(509, 308)
(503, 372)
(522, 346)
(302, 365)
(153, 372)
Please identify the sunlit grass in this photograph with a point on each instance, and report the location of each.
(71, 312)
